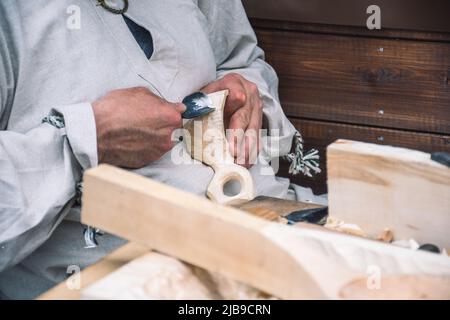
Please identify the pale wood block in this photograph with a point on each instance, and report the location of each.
(212, 236)
(399, 288)
(381, 187)
(157, 276)
(93, 273)
(150, 277)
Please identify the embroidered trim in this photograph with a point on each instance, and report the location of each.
(306, 163)
(79, 192)
(56, 121)
(90, 235)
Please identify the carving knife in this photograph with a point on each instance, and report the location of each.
(197, 104)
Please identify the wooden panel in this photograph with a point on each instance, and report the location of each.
(319, 134)
(349, 30)
(379, 82)
(380, 187)
(95, 272)
(395, 14)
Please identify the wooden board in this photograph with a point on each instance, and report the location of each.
(218, 287)
(97, 271)
(280, 260)
(379, 187)
(152, 276)
(196, 230)
(419, 15)
(352, 83)
(155, 276)
(387, 83)
(299, 26)
(282, 207)
(319, 134)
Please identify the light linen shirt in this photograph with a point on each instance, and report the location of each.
(49, 66)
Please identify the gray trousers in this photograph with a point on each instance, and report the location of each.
(54, 261)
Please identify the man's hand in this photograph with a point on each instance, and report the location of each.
(243, 111)
(134, 126)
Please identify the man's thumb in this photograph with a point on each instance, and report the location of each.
(180, 107)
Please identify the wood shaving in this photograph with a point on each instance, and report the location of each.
(386, 236)
(348, 228)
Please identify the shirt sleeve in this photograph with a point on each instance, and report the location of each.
(236, 50)
(40, 168)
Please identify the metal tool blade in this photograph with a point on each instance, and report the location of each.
(315, 215)
(441, 157)
(197, 104)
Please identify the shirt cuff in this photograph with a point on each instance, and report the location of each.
(81, 132)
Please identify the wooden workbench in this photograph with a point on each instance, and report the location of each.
(272, 257)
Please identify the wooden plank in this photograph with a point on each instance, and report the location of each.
(152, 276)
(396, 14)
(104, 270)
(157, 276)
(359, 80)
(319, 134)
(217, 238)
(97, 271)
(379, 187)
(278, 259)
(400, 288)
(270, 23)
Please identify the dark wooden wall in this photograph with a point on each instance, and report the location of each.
(387, 86)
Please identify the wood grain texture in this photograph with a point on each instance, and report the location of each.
(378, 82)
(92, 274)
(280, 260)
(319, 134)
(152, 276)
(214, 237)
(340, 73)
(207, 143)
(218, 287)
(354, 31)
(400, 288)
(382, 187)
(396, 14)
(157, 276)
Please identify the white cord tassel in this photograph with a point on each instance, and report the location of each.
(90, 233)
(306, 163)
